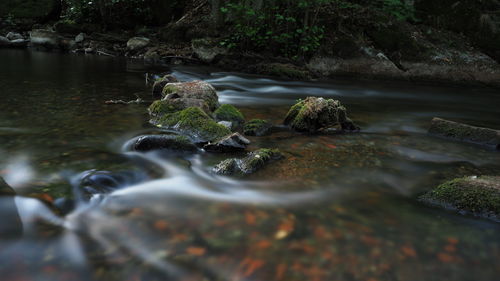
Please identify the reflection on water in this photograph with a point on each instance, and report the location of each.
(338, 207)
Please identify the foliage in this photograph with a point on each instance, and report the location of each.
(296, 28)
(290, 28)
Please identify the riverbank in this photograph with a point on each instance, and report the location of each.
(371, 48)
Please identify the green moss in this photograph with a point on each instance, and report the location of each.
(227, 112)
(256, 127)
(257, 159)
(480, 196)
(194, 122)
(169, 89)
(160, 107)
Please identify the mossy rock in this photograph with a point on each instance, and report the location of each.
(192, 90)
(479, 196)
(5, 189)
(253, 162)
(257, 127)
(161, 142)
(161, 83)
(194, 123)
(315, 114)
(161, 107)
(465, 133)
(227, 112)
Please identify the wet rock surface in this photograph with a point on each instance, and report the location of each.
(227, 112)
(232, 143)
(257, 127)
(315, 114)
(479, 196)
(253, 162)
(161, 142)
(194, 123)
(161, 83)
(196, 90)
(465, 133)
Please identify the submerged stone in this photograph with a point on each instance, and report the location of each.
(315, 114)
(253, 162)
(479, 196)
(227, 112)
(465, 133)
(157, 142)
(232, 143)
(45, 38)
(257, 127)
(192, 90)
(193, 122)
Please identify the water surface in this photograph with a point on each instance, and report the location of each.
(338, 207)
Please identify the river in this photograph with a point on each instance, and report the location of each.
(338, 207)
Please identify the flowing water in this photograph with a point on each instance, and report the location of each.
(338, 207)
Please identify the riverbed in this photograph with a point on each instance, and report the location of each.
(337, 207)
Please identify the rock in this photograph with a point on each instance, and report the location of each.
(315, 114)
(257, 127)
(227, 167)
(64, 205)
(157, 142)
(226, 124)
(137, 43)
(19, 43)
(479, 196)
(161, 83)
(192, 122)
(465, 133)
(162, 107)
(227, 112)
(5, 189)
(206, 49)
(98, 182)
(14, 36)
(253, 162)
(45, 38)
(4, 42)
(192, 90)
(80, 38)
(232, 143)
(281, 70)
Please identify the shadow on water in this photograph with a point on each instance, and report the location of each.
(339, 207)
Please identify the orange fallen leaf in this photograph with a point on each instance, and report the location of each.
(452, 240)
(450, 248)
(250, 218)
(160, 225)
(332, 146)
(263, 244)
(444, 257)
(196, 251)
(409, 251)
(252, 266)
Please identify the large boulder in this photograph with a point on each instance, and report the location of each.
(253, 162)
(45, 38)
(162, 107)
(161, 142)
(479, 196)
(192, 90)
(315, 114)
(194, 123)
(232, 143)
(465, 133)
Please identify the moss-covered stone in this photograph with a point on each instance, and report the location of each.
(314, 114)
(192, 90)
(194, 123)
(253, 162)
(5, 189)
(157, 142)
(466, 133)
(257, 127)
(161, 107)
(227, 112)
(160, 84)
(479, 196)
